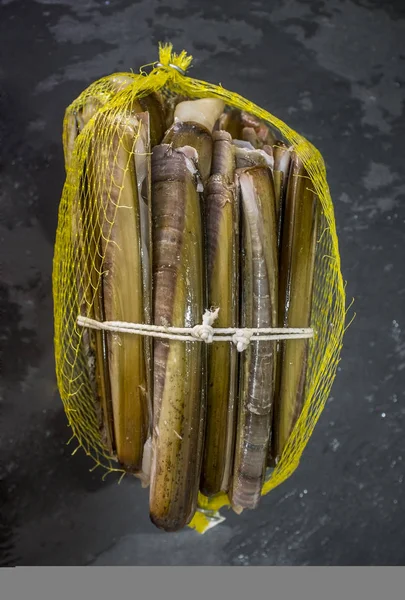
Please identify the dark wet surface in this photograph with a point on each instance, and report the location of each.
(335, 72)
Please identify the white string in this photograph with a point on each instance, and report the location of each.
(203, 332)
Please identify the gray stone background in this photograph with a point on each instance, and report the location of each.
(335, 72)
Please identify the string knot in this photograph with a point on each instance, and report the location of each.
(205, 331)
(241, 339)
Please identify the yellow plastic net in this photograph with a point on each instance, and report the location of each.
(78, 267)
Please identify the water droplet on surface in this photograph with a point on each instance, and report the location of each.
(335, 444)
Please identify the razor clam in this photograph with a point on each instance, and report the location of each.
(282, 159)
(264, 134)
(222, 224)
(178, 301)
(281, 156)
(193, 124)
(153, 104)
(298, 247)
(230, 121)
(259, 309)
(101, 92)
(86, 235)
(120, 159)
(238, 122)
(248, 156)
(250, 135)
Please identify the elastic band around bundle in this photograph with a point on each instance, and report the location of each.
(203, 332)
(171, 66)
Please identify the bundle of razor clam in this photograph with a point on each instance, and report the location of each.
(190, 205)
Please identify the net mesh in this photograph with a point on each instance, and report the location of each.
(84, 227)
